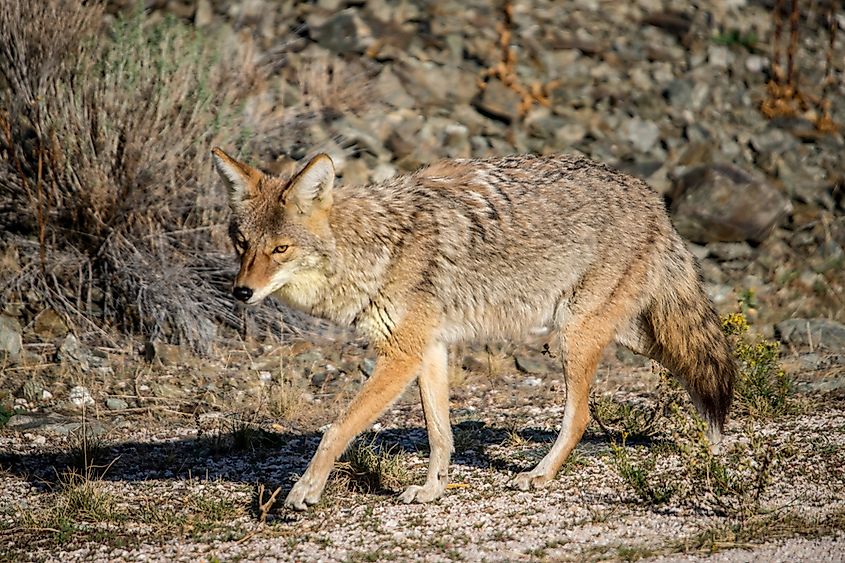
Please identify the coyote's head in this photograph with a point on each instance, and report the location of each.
(280, 227)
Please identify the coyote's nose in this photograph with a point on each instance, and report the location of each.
(242, 293)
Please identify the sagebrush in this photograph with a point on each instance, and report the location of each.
(109, 210)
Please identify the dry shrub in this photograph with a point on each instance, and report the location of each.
(109, 206)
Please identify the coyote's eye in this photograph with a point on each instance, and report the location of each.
(240, 242)
(281, 249)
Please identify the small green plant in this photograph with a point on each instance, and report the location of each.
(732, 483)
(366, 468)
(5, 414)
(640, 475)
(469, 435)
(625, 419)
(747, 301)
(239, 433)
(734, 37)
(762, 389)
(636, 420)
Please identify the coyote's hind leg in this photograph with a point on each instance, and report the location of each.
(583, 345)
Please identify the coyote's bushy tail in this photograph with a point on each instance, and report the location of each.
(690, 343)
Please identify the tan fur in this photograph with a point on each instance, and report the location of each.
(470, 250)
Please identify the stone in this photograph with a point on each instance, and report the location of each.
(456, 140)
(167, 391)
(167, 354)
(22, 422)
(49, 324)
(356, 172)
(204, 14)
(72, 352)
(473, 363)
(116, 404)
(756, 63)
(91, 427)
(675, 23)
(812, 333)
(80, 396)
(390, 90)
(531, 365)
(32, 390)
(719, 56)
(679, 92)
(532, 382)
(499, 102)
(570, 134)
(36, 439)
(383, 171)
(343, 33)
(773, 140)
(723, 203)
(367, 366)
(642, 135)
(310, 357)
(11, 342)
(431, 84)
(403, 139)
(55, 423)
(730, 250)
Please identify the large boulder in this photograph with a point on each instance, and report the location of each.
(723, 203)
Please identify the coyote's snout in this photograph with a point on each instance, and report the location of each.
(470, 250)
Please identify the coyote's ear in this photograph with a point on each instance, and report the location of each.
(241, 179)
(312, 187)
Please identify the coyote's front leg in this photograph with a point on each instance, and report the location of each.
(434, 392)
(399, 360)
(392, 374)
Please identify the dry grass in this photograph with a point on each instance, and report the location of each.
(286, 395)
(367, 468)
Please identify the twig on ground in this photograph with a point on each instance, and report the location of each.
(264, 507)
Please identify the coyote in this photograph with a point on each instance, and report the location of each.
(469, 250)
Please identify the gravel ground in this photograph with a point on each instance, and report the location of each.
(185, 490)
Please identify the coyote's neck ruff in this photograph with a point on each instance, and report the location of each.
(472, 250)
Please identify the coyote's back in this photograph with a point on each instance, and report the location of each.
(480, 249)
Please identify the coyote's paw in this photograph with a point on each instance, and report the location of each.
(422, 493)
(304, 493)
(531, 480)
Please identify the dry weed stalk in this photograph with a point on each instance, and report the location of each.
(505, 69)
(825, 122)
(784, 97)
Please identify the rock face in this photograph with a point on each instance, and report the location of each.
(723, 203)
(813, 333)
